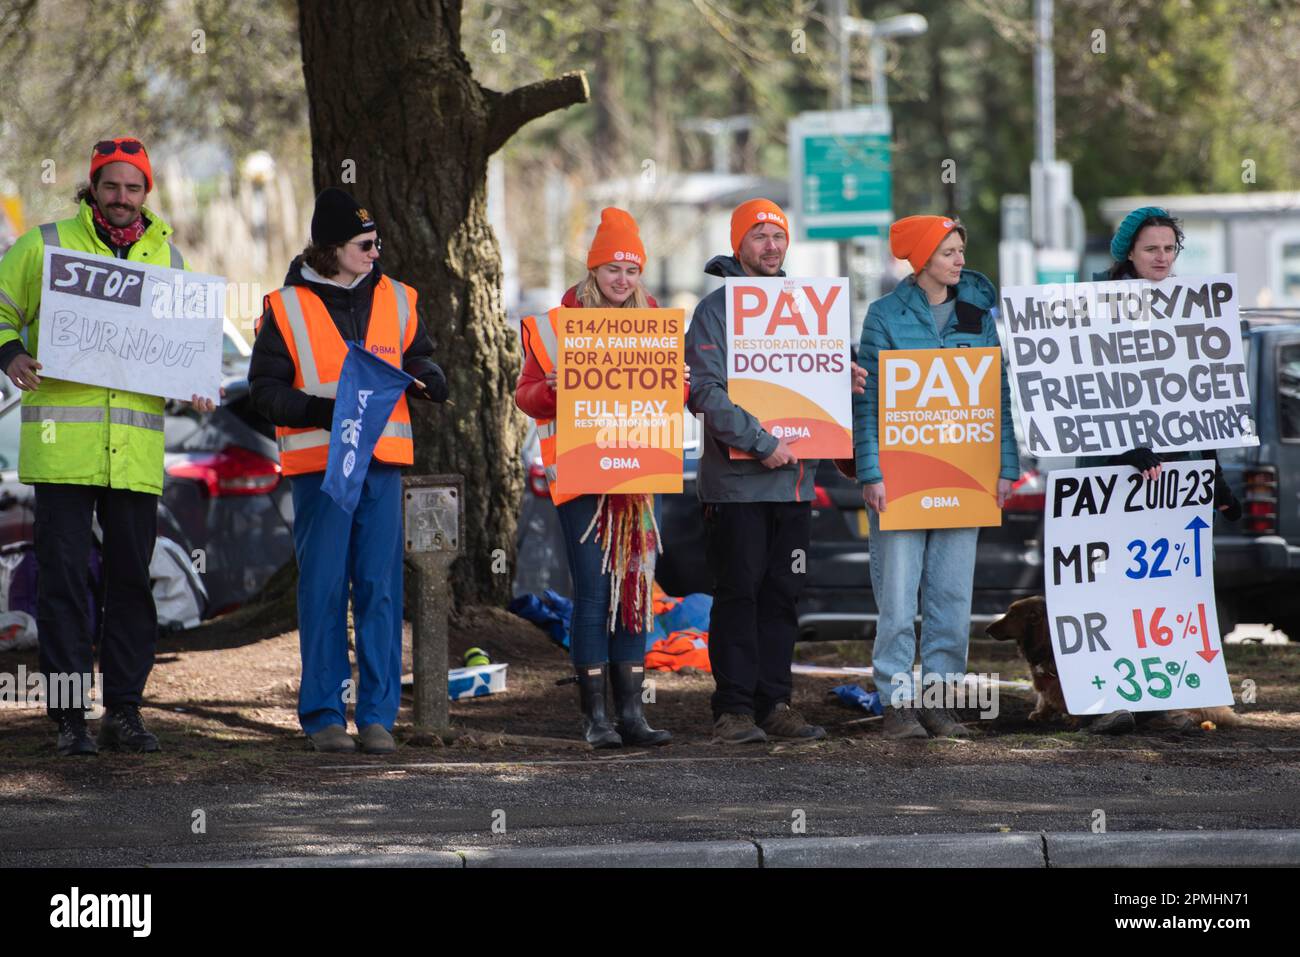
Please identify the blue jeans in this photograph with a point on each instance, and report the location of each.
(365, 550)
(590, 640)
(940, 563)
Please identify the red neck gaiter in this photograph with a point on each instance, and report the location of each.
(119, 236)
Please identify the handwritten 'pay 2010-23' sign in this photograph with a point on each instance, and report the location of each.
(788, 361)
(940, 437)
(1130, 589)
(1104, 367)
(131, 326)
(619, 401)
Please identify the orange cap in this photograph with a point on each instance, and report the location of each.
(750, 214)
(123, 149)
(617, 240)
(915, 238)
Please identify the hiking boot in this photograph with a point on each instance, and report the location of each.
(785, 722)
(123, 728)
(1117, 722)
(334, 739)
(74, 736)
(941, 723)
(902, 724)
(375, 739)
(1178, 721)
(733, 728)
(596, 728)
(626, 679)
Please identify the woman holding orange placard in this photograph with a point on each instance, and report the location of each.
(611, 540)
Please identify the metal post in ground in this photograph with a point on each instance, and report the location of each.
(433, 515)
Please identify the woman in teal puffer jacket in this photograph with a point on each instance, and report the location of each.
(941, 306)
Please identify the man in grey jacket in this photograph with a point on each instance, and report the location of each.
(756, 510)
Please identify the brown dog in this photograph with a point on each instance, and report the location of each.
(1025, 623)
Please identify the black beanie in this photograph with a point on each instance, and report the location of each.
(338, 218)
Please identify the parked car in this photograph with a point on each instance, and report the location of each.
(1257, 560)
(222, 484)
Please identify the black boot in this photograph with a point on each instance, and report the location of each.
(74, 736)
(627, 678)
(123, 728)
(591, 692)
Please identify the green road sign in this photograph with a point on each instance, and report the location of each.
(840, 176)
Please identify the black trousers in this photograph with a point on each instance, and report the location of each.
(128, 621)
(758, 552)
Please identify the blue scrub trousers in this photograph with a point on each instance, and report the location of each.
(365, 548)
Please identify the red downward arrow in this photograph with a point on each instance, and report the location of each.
(1207, 654)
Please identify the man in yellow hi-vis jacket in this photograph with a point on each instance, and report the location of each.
(90, 450)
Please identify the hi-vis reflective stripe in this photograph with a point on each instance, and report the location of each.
(546, 430)
(552, 475)
(50, 233)
(549, 340)
(318, 437)
(56, 413)
(141, 420)
(403, 313)
(302, 340)
(4, 297)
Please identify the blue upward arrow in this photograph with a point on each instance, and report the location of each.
(1196, 525)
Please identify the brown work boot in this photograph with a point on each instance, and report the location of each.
(785, 722)
(1116, 722)
(1155, 721)
(737, 729)
(941, 723)
(902, 724)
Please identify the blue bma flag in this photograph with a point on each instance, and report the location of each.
(368, 389)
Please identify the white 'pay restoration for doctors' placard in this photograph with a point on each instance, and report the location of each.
(131, 326)
(1130, 589)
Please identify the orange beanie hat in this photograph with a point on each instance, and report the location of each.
(617, 240)
(749, 214)
(124, 149)
(915, 238)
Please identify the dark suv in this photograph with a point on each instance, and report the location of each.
(1257, 560)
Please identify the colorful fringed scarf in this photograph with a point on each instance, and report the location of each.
(629, 536)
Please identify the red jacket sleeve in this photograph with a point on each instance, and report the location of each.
(533, 396)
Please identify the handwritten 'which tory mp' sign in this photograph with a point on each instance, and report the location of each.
(130, 326)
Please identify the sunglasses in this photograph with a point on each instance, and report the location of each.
(368, 244)
(109, 147)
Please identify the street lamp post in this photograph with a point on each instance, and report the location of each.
(876, 32)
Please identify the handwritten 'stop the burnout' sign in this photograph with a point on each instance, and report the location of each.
(129, 325)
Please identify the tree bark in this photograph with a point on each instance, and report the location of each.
(398, 120)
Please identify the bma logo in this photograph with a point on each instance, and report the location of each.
(351, 432)
(620, 256)
(940, 501)
(385, 350)
(791, 432)
(608, 464)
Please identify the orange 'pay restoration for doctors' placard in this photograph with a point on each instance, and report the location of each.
(940, 431)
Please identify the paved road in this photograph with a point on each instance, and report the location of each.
(350, 805)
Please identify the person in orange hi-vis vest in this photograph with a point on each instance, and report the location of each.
(336, 293)
(618, 532)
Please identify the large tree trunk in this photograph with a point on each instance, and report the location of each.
(398, 120)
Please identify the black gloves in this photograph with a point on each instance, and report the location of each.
(321, 412)
(1140, 458)
(1223, 496)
